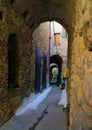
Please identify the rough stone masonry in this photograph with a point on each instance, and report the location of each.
(18, 19)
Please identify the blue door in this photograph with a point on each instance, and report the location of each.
(44, 75)
(37, 69)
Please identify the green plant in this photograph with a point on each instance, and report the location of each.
(67, 109)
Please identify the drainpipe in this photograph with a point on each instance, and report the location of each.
(49, 37)
(49, 46)
(53, 28)
(54, 34)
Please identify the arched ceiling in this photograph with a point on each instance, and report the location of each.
(35, 12)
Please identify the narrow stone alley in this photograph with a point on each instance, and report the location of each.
(48, 115)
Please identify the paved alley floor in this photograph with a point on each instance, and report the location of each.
(48, 115)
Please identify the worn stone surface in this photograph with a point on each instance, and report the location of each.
(21, 18)
(41, 118)
(81, 67)
(41, 38)
(12, 24)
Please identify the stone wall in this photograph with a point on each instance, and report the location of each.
(62, 48)
(41, 38)
(12, 24)
(76, 17)
(81, 70)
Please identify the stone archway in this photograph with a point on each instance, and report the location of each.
(70, 15)
(76, 17)
(56, 59)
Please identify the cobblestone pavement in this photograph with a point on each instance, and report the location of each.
(48, 116)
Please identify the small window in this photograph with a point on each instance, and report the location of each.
(57, 38)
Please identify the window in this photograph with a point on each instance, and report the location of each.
(57, 38)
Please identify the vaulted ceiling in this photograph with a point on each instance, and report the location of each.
(34, 12)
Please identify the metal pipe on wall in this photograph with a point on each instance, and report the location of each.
(49, 45)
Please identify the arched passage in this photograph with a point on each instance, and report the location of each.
(57, 60)
(75, 16)
(44, 35)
